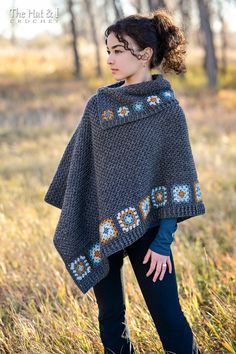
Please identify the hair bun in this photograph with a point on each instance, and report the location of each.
(162, 20)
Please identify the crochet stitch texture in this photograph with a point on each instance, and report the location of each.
(128, 164)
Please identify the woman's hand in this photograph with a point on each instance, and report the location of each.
(156, 263)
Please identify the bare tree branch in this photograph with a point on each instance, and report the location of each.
(94, 36)
(74, 39)
(118, 9)
(210, 56)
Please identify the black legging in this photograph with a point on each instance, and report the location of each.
(161, 298)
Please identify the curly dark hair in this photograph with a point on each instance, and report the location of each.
(156, 31)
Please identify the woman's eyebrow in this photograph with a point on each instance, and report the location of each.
(115, 46)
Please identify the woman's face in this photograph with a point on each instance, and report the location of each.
(121, 61)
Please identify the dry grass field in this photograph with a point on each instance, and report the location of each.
(41, 309)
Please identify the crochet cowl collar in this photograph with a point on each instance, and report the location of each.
(118, 104)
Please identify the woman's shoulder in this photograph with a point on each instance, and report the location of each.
(92, 99)
(91, 103)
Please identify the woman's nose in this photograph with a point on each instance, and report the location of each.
(110, 59)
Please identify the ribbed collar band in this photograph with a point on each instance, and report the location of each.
(118, 104)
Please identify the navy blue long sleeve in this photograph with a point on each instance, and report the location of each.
(162, 242)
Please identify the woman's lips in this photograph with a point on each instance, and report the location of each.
(114, 70)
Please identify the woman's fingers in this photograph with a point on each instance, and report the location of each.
(152, 266)
(157, 262)
(169, 264)
(163, 270)
(159, 269)
(147, 256)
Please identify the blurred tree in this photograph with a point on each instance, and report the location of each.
(119, 12)
(106, 11)
(74, 36)
(94, 36)
(223, 36)
(155, 4)
(185, 9)
(137, 4)
(210, 62)
(13, 24)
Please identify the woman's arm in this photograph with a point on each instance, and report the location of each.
(162, 242)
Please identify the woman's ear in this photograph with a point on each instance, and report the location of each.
(147, 53)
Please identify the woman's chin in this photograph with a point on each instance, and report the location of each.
(118, 77)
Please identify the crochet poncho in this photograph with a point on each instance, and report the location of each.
(128, 163)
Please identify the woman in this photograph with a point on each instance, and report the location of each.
(126, 178)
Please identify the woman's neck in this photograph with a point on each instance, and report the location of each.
(136, 79)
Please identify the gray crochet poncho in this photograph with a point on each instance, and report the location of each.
(128, 163)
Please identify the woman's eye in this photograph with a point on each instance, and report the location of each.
(116, 51)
